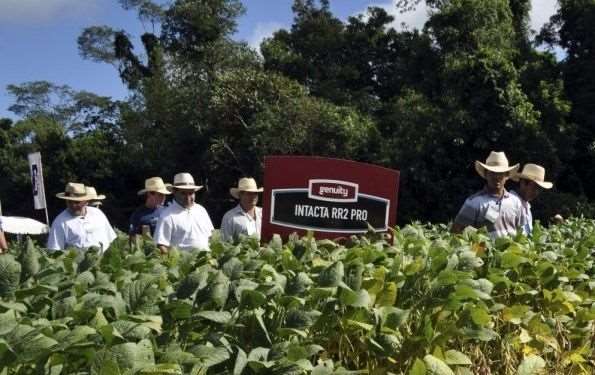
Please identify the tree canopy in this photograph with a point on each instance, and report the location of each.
(427, 102)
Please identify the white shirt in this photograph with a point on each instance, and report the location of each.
(236, 221)
(81, 232)
(184, 228)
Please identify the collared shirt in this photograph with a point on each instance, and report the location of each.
(237, 221)
(184, 228)
(527, 216)
(81, 232)
(502, 216)
(144, 216)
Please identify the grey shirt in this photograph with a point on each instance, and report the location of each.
(502, 216)
(236, 222)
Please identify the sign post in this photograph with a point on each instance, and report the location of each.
(37, 182)
(331, 197)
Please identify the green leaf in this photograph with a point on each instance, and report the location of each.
(10, 275)
(131, 356)
(418, 368)
(233, 268)
(8, 321)
(240, 363)
(209, 355)
(332, 276)
(220, 290)
(531, 365)
(29, 260)
(162, 369)
(515, 313)
(388, 295)
(510, 259)
(140, 293)
(252, 299)
(436, 366)
(222, 317)
(352, 298)
(454, 357)
(480, 316)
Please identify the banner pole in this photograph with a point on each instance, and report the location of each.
(36, 168)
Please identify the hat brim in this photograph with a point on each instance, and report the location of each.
(162, 191)
(184, 187)
(481, 168)
(100, 197)
(543, 184)
(74, 199)
(235, 192)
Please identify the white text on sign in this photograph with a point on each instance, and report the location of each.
(340, 213)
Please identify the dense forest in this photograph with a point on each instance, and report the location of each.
(427, 102)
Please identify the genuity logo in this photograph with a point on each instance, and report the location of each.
(333, 190)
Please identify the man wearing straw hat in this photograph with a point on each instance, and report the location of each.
(492, 207)
(147, 215)
(531, 181)
(79, 225)
(246, 217)
(95, 200)
(183, 224)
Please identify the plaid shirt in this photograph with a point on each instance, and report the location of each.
(508, 208)
(527, 216)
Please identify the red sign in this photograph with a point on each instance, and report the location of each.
(332, 197)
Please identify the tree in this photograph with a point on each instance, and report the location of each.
(571, 28)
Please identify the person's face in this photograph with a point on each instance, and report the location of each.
(248, 199)
(496, 180)
(184, 197)
(528, 189)
(155, 199)
(76, 208)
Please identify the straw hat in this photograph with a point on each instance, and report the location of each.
(74, 192)
(92, 193)
(496, 162)
(245, 184)
(184, 181)
(535, 173)
(156, 185)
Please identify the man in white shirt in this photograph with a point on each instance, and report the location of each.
(246, 217)
(79, 225)
(531, 182)
(183, 224)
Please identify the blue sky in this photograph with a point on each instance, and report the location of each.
(38, 37)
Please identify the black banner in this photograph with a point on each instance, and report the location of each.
(293, 208)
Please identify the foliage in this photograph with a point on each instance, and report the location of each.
(425, 302)
(426, 102)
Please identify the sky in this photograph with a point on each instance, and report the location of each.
(38, 37)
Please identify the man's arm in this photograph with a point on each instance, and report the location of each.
(3, 243)
(162, 235)
(163, 249)
(466, 217)
(226, 228)
(457, 228)
(56, 238)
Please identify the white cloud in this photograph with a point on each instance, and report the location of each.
(261, 31)
(411, 19)
(43, 11)
(541, 11)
